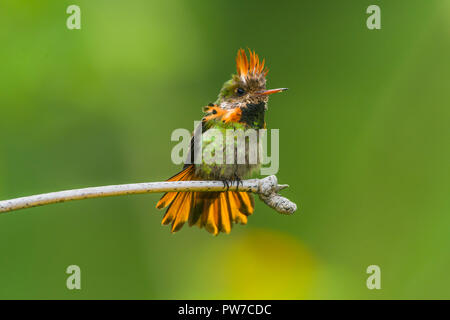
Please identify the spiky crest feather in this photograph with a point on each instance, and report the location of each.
(247, 68)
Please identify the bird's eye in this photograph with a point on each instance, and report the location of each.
(240, 91)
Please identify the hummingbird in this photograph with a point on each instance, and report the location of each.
(241, 104)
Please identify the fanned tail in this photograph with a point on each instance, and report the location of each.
(216, 211)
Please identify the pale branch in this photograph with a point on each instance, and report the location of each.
(267, 189)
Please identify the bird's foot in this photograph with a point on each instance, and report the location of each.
(227, 183)
(238, 181)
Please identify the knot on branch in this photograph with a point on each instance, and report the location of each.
(268, 189)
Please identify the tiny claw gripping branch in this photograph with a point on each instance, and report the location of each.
(268, 189)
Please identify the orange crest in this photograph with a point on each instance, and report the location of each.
(253, 67)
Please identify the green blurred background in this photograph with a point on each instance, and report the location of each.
(364, 133)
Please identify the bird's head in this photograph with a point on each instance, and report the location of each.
(248, 85)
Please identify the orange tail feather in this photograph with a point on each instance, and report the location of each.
(216, 211)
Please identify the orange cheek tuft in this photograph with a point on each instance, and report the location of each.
(217, 113)
(233, 115)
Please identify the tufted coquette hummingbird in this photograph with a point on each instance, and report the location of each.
(241, 105)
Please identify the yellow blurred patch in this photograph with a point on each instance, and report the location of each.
(265, 264)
